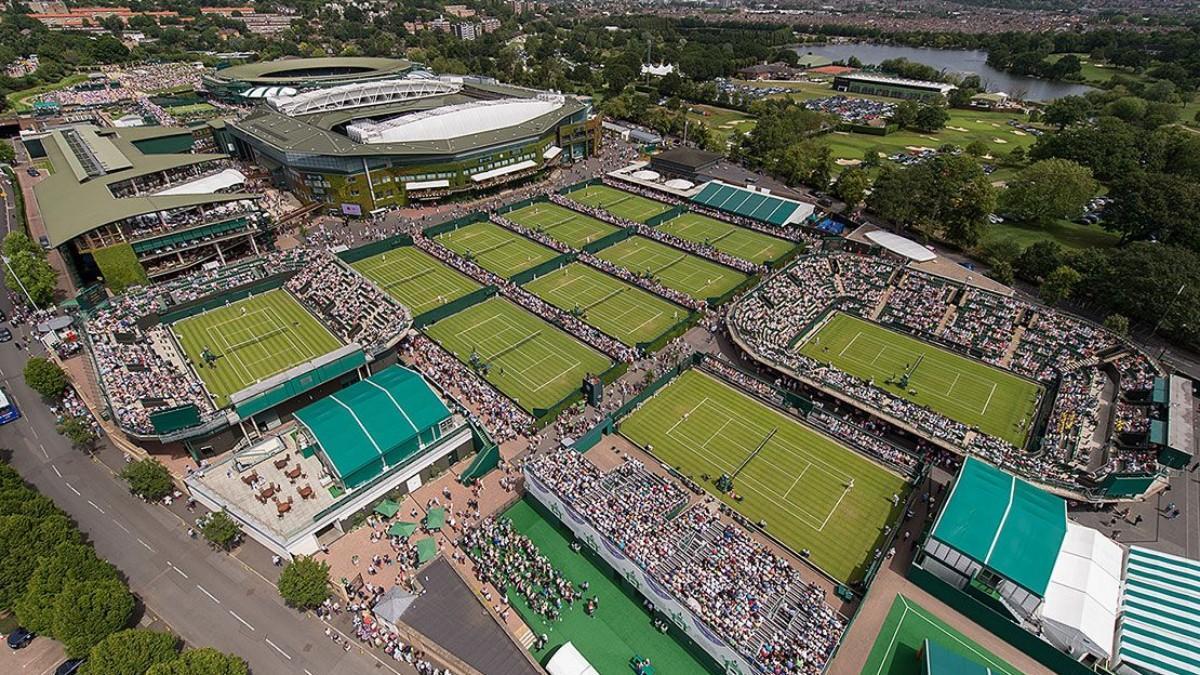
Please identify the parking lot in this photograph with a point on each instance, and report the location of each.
(41, 656)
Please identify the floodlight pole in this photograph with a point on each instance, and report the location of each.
(8, 264)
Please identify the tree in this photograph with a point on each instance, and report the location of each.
(17, 242)
(1038, 260)
(905, 114)
(304, 583)
(79, 431)
(87, 612)
(1059, 284)
(1155, 207)
(1117, 323)
(45, 377)
(30, 273)
(852, 186)
(206, 661)
(130, 652)
(977, 148)
(1002, 271)
(1066, 111)
(23, 539)
(148, 479)
(1049, 190)
(67, 563)
(220, 530)
(7, 154)
(1109, 147)
(931, 118)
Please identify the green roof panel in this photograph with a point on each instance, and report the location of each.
(1160, 613)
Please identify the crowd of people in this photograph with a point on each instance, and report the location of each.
(353, 307)
(512, 563)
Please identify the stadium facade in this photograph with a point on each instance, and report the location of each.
(236, 84)
(372, 145)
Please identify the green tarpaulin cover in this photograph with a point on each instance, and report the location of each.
(426, 550)
(387, 508)
(435, 519)
(402, 529)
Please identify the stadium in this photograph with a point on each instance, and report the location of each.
(252, 81)
(385, 142)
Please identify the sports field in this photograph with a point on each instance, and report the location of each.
(621, 626)
(570, 227)
(531, 361)
(812, 492)
(728, 238)
(250, 340)
(905, 630)
(414, 278)
(496, 249)
(974, 393)
(684, 272)
(620, 203)
(626, 312)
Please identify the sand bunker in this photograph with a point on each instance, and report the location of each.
(957, 129)
(999, 140)
(847, 162)
(1018, 132)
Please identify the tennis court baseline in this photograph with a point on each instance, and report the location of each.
(496, 249)
(415, 279)
(251, 340)
(744, 243)
(620, 203)
(531, 361)
(903, 634)
(971, 392)
(812, 492)
(684, 272)
(562, 224)
(623, 311)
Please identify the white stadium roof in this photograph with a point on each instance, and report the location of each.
(455, 121)
(359, 95)
(901, 246)
(268, 92)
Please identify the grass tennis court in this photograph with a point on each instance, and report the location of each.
(496, 249)
(625, 312)
(571, 228)
(813, 492)
(414, 278)
(251, 339)
(736, 241)
(531, 361)
(620, 203)
(684, 272)
(620, 628)
(903, 633)
(974, 393)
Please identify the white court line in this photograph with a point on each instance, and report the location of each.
(850, 343)
(688, 414)
(798, 477)
(989, 399)
(950, 389)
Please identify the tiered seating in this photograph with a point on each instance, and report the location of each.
(984, 323)
(353, 308)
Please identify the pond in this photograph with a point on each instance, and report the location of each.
(952, 61)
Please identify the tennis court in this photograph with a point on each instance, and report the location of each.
(812, 492)
(684, 272)
(415, 279)
(562, 224)
(496, 249)
(531, 361)
(625, 312)
(728, 238)
(620, 203)
(903, 634)
(968, 391)
(250, 340)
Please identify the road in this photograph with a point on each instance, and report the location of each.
(208, 598)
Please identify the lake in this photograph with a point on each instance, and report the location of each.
(952, 61)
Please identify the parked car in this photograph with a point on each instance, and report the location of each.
(69, 667)
(33, 172)
(19, 638)
(5, 333)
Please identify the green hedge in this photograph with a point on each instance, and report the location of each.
(375, 248)
(608, 240)
(669, 334)
(120, 267)
(522, 278)
(673, 213)
(454, 306)
(449, 226)
(580, 185)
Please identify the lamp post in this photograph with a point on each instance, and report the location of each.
(8, 264)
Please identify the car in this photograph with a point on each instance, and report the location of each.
(3, 316)
(69, 667)
(33, 172)
(20, 637)
(5, 334)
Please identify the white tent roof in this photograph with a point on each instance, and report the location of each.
(552, 152)
(568, 661)
(1085, 586)
(207, 185)
(427, 184)
(680, 184)
(647, 174)
(901, 246)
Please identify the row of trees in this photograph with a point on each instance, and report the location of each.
(27, 271)
(50, 381)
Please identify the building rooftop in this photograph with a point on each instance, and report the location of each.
(330, 70)
(1160, 613)
(940, 87)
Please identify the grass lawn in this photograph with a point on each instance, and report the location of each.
(737, 241)
(415, 279)
(252, 339)
(1069, 235)
(531, 361)
(17, 99)
(496, 249)
(684, 272)
(626, 312)
(794, 478)
(619, 203)
(974, 393)
(730, 124)
(620, 628)
(192, 109)
(562, 224)
(903, 634)
(1096, 72)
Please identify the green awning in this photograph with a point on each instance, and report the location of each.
(436, 519)
(402, 529)
(387, 508)
(1160, 392)
(426, 550)
(939, 660)
(1158, 432)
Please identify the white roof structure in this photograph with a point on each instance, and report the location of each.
(657, 69)
(427, 184)
(568, 661)
(207, 185)
(1080, 609)
(901, 246)
(360, 95)
(647, 174)
(455, 121)
(503, 171)
(268, 92)
(680, 184)
(1159, 628)
(941, 87)
(552, 152)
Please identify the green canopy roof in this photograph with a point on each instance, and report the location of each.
(436, 518)
(1004, 523)
(375, 424)
(752, 204)
(387, 508)
(402, 529)
(936, 659)
(426, 550)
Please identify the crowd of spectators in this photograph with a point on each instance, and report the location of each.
(513, 564)
(918, 302)
(983, 323)
(352, 307)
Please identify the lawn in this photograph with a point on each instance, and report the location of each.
(623, 311)
(729, 124)
(684, 272)
(251, 340)
(736, 241)
(192, 109)
(812, 492)
(17, 99)
(969, 391)
(619, 203)
(531, 361)
(415, 279)
(496, 249)
(1069, 235)
(620, 628)
(903, 634)
(561, 224)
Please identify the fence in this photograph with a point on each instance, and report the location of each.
(522, 278)
(580, 185)
(516, 206)
(674, 212)
(454, 306)
(610, 239)
(725, 297)
(183, 311)
(452, 225)
(669, 334)
(375, 248)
